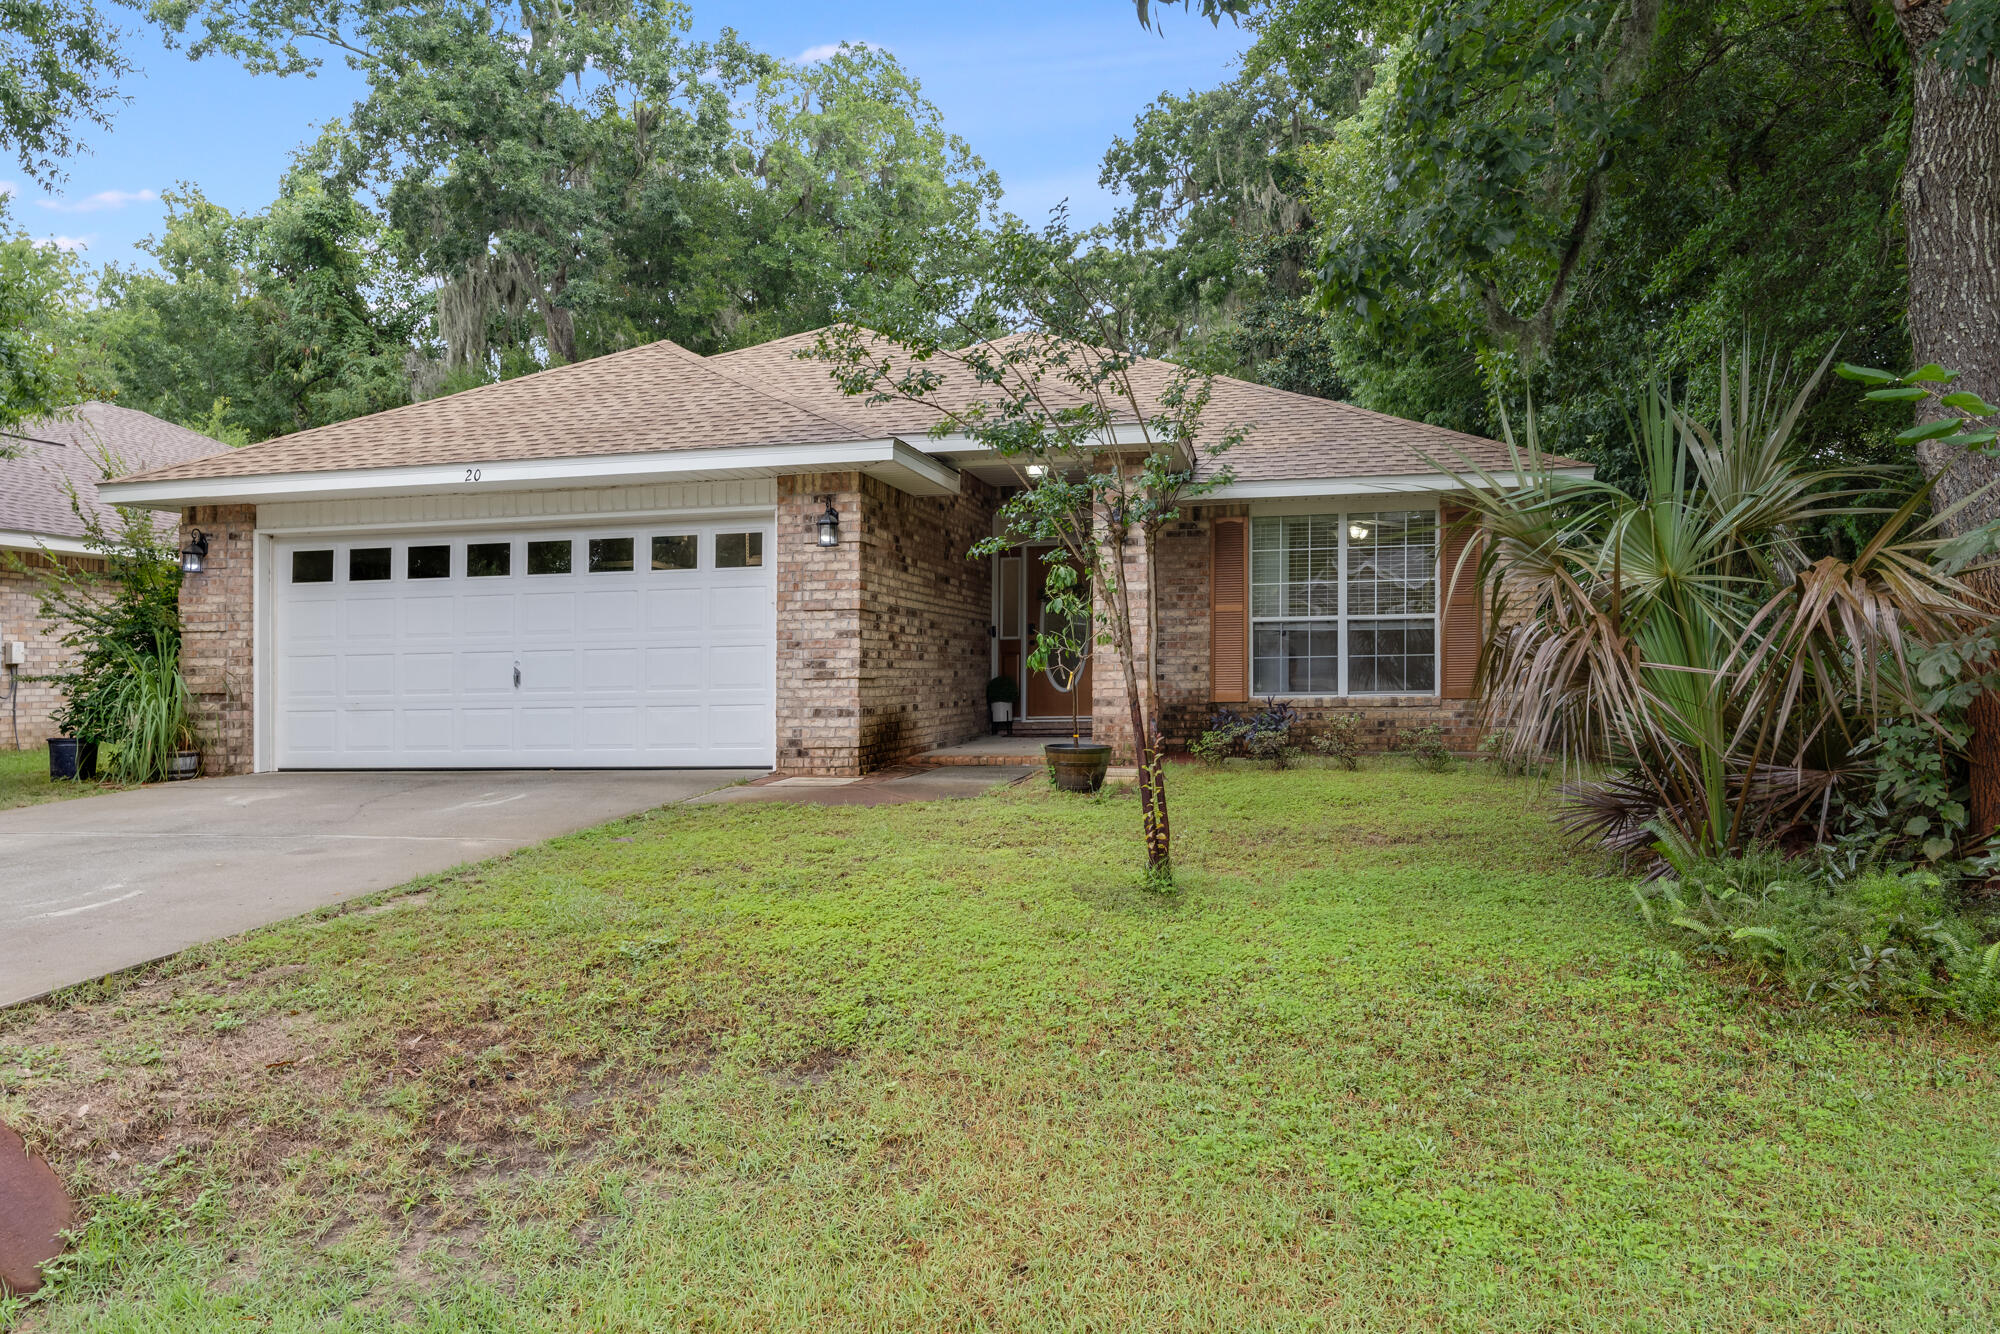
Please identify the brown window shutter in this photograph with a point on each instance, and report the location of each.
(1460, 585)
(1229, 610)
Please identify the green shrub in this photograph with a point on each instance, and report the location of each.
(1498, 749)
(1340, 740)
(1213, 747)
(1426, 746)
(1274, 746)
(1878, 941)
(108, 617)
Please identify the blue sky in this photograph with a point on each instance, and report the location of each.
(1037, 87)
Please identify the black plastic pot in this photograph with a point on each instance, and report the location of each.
(1079, 766)
(72, 759)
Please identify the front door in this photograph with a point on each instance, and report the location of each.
(1022, 613)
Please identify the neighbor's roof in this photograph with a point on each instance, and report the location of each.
(96, 440)
(662, 397)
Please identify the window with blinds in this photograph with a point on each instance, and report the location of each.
(1344, 604)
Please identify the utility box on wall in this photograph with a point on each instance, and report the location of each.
(13, 653)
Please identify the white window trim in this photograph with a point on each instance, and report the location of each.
(1342, 619)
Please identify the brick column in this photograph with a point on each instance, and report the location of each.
(819, 627)
(218, 636)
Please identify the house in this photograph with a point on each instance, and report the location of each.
(619, 563)
(40, 530)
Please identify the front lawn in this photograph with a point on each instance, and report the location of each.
(24, 780)
(1391, 1059)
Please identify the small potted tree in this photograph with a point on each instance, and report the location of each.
(1077, 765)
(1002, 694)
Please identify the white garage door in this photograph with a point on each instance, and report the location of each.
(643, 644)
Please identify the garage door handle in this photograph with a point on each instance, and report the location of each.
(517, 676)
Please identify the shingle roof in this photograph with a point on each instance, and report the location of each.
(1287, 435)
(662, 397)
(97, 440)
(657, 397)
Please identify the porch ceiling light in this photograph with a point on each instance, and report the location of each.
(1037, 471)
(1357, 532)
(195, 557)
(829, 525)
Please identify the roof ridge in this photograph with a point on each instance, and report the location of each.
(775, 397)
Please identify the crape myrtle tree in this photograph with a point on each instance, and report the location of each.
(1025, 350)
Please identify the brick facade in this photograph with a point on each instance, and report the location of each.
(883, 644)
(1186, 704)
(26, 705)
(218, 635)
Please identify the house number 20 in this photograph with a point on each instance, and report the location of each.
(472, 474)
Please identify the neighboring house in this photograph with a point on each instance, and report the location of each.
(40, 528)
(616, 563)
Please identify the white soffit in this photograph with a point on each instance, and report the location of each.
(892, 461)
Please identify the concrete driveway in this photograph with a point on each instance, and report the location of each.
(97, 884)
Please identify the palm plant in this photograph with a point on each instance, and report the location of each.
(1683, 633)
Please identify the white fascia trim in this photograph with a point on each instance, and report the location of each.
(892, 460)
(1305, 487)
(55, 546)
(960, 443)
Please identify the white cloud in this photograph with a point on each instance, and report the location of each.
(812, 55)
(71, 243)
(100, 201)
(8, 189)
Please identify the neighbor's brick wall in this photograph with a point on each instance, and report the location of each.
(218, 635)
(883, 649)
(25, 717)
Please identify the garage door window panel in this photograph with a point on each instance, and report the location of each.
(312, 567)
(739, 551)
(367, 565)
(676, 551)
(549, 557)
(428, 562)
(610, 555)
(489, 560)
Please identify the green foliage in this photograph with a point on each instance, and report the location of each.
(60, 63)
(1683, 632)
(146, 713)
(1877, 941)
(107, 619)
(259, 325)
(1003, 690)
(1214, 746)
(1339, 740)
(1426, 746)
(41, 292)
(1497, 748)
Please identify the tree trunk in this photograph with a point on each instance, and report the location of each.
(1145, 748)
(556, 318)
(1951, 209)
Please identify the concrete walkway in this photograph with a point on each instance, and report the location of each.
(99, 884)
(889, 787)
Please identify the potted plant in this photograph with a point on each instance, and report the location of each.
(1076, 765)
(1002, 694)
(151, 726)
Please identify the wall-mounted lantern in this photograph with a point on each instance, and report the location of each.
(829, 525)
(194, 559)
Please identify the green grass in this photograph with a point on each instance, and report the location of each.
(1392, 1058)
(24, 780)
